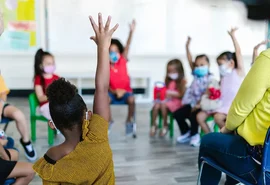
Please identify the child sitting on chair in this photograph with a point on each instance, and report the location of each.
(44, 76)
(120, 91)
(9, 167)
(175, 88)
(85, 157)
(12, 112)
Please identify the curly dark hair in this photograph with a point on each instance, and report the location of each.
(118, 44)
(67, 107)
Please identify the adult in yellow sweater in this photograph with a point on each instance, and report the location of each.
(85, 157)
(238, 148)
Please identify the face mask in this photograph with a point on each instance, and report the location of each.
(58, 131)
(49, 69)
(224, 69)
(173, 76)
(201, 71)
(114, 57)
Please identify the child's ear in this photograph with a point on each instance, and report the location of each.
(51, 125)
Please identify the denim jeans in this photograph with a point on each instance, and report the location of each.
(230, 152)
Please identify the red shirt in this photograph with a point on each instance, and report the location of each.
(119, 78)
(46, 83)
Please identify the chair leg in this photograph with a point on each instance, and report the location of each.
(200, 173)
(134, 126)
(171, 125)
(6, 125)
(151, 118)
(33, 129)
(160, 120)
(50, 136)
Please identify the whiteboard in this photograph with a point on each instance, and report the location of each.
(162, 25)
(23, 26)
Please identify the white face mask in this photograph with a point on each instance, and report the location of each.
(58, 131)
(224, 69)
(173, 76)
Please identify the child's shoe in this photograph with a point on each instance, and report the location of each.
(195, 140)
(184, 138)
(129, 128)
(29, 151)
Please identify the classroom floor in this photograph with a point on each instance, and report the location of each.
(143, 161)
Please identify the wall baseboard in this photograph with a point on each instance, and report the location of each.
(26, 92)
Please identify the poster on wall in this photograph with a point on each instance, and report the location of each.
(21, 25)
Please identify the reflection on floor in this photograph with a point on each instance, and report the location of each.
(142, 161)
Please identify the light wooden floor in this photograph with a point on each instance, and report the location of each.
(143, 161)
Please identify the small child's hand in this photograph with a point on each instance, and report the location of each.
(120, 93)
(232, 31)
(103, 34)
(188, 41)
(132, 26)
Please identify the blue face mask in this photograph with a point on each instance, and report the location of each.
(114, 57)
(201, 71)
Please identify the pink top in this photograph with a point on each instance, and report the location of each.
(229, 88)
(174, 103)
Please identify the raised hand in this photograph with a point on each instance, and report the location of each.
(188, 41)
(262, 43)
(132, 26)
(232, 31)
(103, 34)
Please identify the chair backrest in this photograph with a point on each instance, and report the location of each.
(33, 103)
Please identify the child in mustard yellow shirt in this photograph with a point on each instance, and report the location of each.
(85, 157)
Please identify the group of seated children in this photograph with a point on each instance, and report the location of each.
(205, 97)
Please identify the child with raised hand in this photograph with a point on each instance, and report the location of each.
(255, 50)
(175, 88)
(120, 91)
(231, 68)
(11, 112)
(43, 77)
(85, 157)
(191, 100)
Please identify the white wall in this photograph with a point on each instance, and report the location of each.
(161, 33)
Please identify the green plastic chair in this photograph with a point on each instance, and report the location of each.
(210, 119)
(160, 125)
(33, 103)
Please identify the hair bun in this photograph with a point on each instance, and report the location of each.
(61, 91)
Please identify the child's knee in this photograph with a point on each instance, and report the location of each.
(156, 106)
(201, 116)
(131, 100)
(219, 117)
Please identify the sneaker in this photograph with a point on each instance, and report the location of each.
(29, 151)
(184, 138)
(129, 128)
(195, 140)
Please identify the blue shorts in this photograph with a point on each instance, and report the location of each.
(120, 101)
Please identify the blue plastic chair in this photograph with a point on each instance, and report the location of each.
(6, 122)
(9, 181)
(265, 165)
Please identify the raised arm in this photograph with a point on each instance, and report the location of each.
(256, 84)
(189, 56)
(131, 31)
(255, 50)
(239, 57)
(103, 41)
